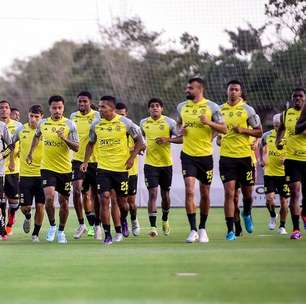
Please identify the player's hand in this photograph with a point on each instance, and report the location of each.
(183, 131)
(237, 129)
(142, 150)
(83, 167)
(11, 166)
(279, 145)
(204, 119)
(129, 163)
(162, 140)
(29, 159)
(60, 134)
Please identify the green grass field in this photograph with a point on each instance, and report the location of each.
(260, 268)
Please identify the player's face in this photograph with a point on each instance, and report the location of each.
(298, 99)
(155, 110)
(121, 112)
(84, 104)
(57, 109)
(234, 92)
(106, 109)
(33, 119)
(193, 90)
(15, 115)
(5, 110)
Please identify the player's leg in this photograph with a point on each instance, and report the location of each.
(270, 188)
(26, 185)
(49, 193)
(132, 204)
(77, 182)
(115, 212)
(152, 180)
(11, 189)
(39, 209)
(237, 220)
(292, 173)
(165, 180)
(3, 233)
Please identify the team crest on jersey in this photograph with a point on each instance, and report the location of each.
(118, 128)
(203, 111)
(109, 129)
(162, 127)
(62, 129)
(53, 129)
(194, 111)
(231, 114)
(239, 114)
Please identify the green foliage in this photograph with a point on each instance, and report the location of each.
(135, 64)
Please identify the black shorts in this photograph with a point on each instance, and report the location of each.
(76, 173)
(11, 186)
(61, 181)
(31, 187)
(200, 167)
(108, 180)
(238, 169)
(158, 176)
(295, 170)
(277, 184)
(238, 184)
(132, 185)
(90, 178)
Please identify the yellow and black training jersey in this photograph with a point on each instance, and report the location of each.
(111, 139)
(12, 126)
(158, 155)
(6, 140)
(197, 140)
(275, 166)
(244, 116)
(296, 143)
(24, 135)
(83, 123)
(55, 152)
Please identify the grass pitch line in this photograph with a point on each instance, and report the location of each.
(186, 274)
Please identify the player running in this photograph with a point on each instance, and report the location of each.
(59, 136)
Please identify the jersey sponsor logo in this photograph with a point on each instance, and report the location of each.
(193, 124)
(110, 141)
(52, 143)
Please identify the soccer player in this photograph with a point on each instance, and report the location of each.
(30, 182)
(81, 182)
(235, 155)
(59, 136)
(5, 147)
(11, 183)
(199, 118)
(15, 114)
(274, 176)
(158, 130)
(292, 128)
(121, 109)
(114, 158)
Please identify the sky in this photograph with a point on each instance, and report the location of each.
(29, 27)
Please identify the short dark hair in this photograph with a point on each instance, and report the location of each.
(85, 93)
(15, 109)
(234, 81)
(36, 109)
(198, 80)
(155, 100)
(121, 106)
(109, 98)
(5, 101)
(56, 98)
(298, 90)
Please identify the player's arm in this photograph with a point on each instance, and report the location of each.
(34, 144)
(254, 122)
(173, 138)
(301, 123)
(219, 127)
(7, 143)
(263, 152)
(280, 133)
(73, 140)
(89, 148)
(14, 139)
(139, 145)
